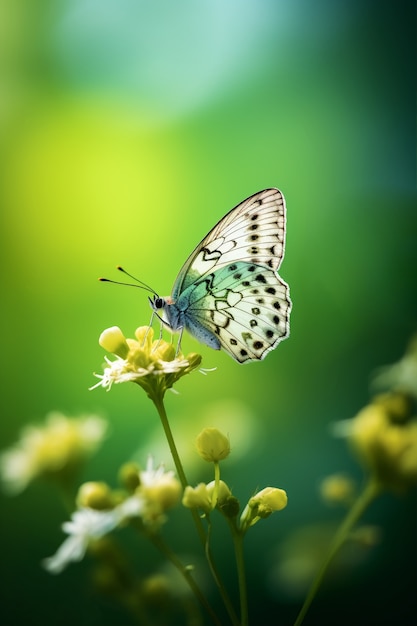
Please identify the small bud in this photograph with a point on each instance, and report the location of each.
(129, 476)
(95, 495)
(212, 445)
(230, 507)
(261, 505)
(269, 500)
(113, 340)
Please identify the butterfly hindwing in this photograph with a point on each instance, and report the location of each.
(244, 306)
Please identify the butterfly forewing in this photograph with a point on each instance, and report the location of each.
(228, 294)
(254, 231)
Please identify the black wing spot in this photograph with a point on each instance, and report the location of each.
(233, 342)
(269, 333)
(276, 320)
(271, 290)
(255, 291)
(243, 353)
(254, 237)
(232, 267)
(237, 275)
(277, 306)
(258, 345)
(255, 310)
(272, 249)
(254, 217)
(253, 227)
(245, 283)
(260, 278)
(251, 268)
(271, 264)
(260, 300)
(253, 323)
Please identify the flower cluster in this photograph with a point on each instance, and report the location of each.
(101, 511)
(152, 364)
(384, 437)
(213, 446)
(55, 449)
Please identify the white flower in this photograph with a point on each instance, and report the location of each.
(154, 365)
(159, 490)
(153, 477)
(85, 526)
(117, 372)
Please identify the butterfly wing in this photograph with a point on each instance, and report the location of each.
(254, 232)
(243, 306)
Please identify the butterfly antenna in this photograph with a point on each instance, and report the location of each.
(140, 284)
(144, 285)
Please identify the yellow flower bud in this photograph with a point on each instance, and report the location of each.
(94, 495)
(113, 340)
(212, 445)
(129, 476)
(269, 500)
(261, 505)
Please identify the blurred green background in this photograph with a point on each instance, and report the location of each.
(127, 130)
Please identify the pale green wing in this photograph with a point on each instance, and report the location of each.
(254, 232)
(244, 305)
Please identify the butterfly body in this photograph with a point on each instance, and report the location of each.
(228, 294)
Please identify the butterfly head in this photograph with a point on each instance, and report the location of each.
(157, 303)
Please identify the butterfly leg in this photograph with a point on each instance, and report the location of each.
(149, 327)
(179, 342)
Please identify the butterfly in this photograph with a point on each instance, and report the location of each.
(228, 294)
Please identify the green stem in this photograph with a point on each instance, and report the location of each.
(215, 495)
(241, 575)
(226, 600)
(186, 574)
(160, 407)
(369, 493)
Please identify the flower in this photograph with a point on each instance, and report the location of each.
(85, 526)
(55, 449)
(95, 495)
(159, 491)
(197, 498)
(384, 437)
(212, 445)
(261, 505)
(154, 365)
